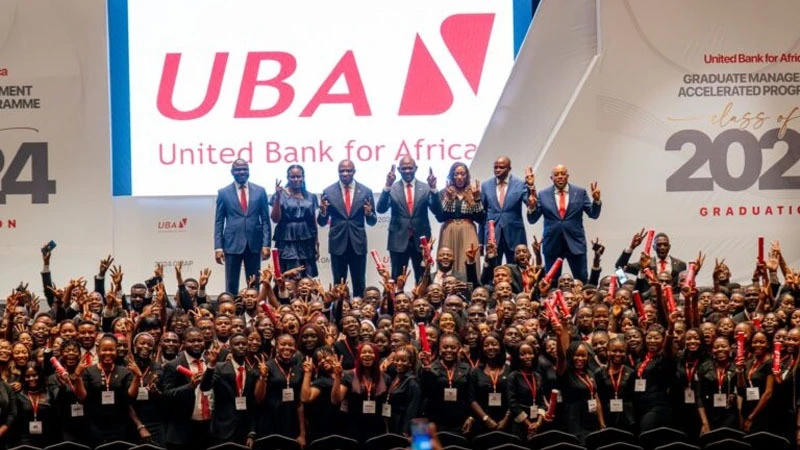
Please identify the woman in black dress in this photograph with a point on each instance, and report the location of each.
(106, 390)
(294, 213)
(445, 383)
(364, 391)
(684, 391)
(37, 414)
(525, 392)
(148, 407)
(73, 422)
(346, 347)
(282, 411)
(488, 387)
(654, 374)
(404, 395)
(755, 384)
(323, 416)
(718, 405)
(615, 388)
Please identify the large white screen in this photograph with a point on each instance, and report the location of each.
(403, 108)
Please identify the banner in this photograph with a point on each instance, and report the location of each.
(689, 122)
(275, 84)
(55, 181)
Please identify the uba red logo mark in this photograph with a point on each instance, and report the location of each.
(173, 225)
(426, 91)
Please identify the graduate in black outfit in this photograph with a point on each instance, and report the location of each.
(754, 383)
(364, 390)
(488, 393)
(615, 388)
(282, 411)
(445, 383)
(37, 415)
(404, 395)
(526, 395)
(717, 398)
(323, 417)
(148, 407)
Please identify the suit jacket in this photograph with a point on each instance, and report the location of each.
(405, 223)
(508, 218)
(347, 228)
(180, 398)
(226, 420)
(564, 235)
(678, 265)
(235, 230)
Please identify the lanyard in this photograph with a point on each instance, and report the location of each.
(690, 372)
(531, 384)
(615, 383)
(754, 368)
(106, 376)
(349, 349)
(144, 374)
(643, 365)
(392, 387)
(721, 376)
(473, 364)
(450, 374)
(288, 376)
(494, 375)
(587, 380)
(35, 404)
(368, 385)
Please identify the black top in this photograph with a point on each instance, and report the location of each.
(616, 386)
(447, 414)
(405, 398)
(46, 413)
(482, 385)
(279, 416)
(108, 421)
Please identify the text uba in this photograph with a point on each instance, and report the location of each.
(426, 90)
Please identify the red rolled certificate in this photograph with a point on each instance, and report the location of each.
(490, 231)
(376, 258)
(757, 323)
(551, 311)
(551, 409)
(561, 302)
(612, 286)
(691, 274)
(60, 370)
(740, 345)
(269, 313)
(637, 300)
(761, 249)
(647, 272)
(648, 243)
(426, 252)
(553, 270)
(670, 299)
(776, 358)
(185, 371)
(276, 262)
(423, 338)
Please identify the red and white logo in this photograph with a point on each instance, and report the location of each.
(3, 71)
(170, 226)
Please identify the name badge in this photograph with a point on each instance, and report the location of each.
(368, 407)
(35, 427)
(76, 410)
(386, 410)
(287, 395)
(688, 396)
(640, 385)
(592, 404)
(107, 398)
(534, 412)
(345, 407)
(143, 394)
(495, 399)
(720, 401)
(752, 394)
(241, 403)
(450, 394)
(616, 405)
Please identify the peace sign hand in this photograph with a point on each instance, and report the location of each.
(308, 365)
(278, 187)
(530, 178)
(337, 366)
(595, 192)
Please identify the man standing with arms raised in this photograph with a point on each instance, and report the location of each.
(562, 206)
(348, 205)
(242, 230)
(409, 200)
(504, 198)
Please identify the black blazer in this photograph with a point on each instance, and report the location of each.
(179, 395)
(228, 423)
(678, 265)
(404, 222)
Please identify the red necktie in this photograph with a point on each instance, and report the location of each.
(409, 198)
(347, 200)
(562, 204)
(663, 267)
(204, 405)
(243, 199)
(240, 381)
(501, 195)
(87, 359)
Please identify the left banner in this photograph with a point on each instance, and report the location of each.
(55, 180)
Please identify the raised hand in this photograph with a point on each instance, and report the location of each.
(644, 260)
(46, 255)
(491, 250)
(116, 278)
(251, 281)
(698, 263)
(132, 366)
(308, 365)
(530, 178)
(598, 248)
(294, 272)
(536, 245)
(431, 179)
(278, 188)
(178, 274)
(104, 265)
(391, 176)
(336, 366)
(323, 206)
(212, 355)
(266, 275)
(595, 191)
(476, 191)
(367, 208)
(472, 253)
(402, 278)
(637, 238)
(532, 199)
(159, 271)
(205, 274)
(263, 368)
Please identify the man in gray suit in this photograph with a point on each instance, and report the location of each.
(242, 230)
(409, 199)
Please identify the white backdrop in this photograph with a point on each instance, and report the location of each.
(55, 50)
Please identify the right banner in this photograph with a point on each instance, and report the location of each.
(689, 122)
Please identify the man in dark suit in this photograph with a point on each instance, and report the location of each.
(189, 408)
(242, 230)
(347, 205)
(563, 205)
(409, 200)
(504, 198)
(663, 262)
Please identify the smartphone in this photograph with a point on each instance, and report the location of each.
(49, 247)
(621, 276)
(420, 438)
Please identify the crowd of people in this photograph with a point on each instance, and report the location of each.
(470, 342)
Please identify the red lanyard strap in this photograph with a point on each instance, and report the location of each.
(106, 376)
(288, 376)
(495, 375)
(722, 374)
(690, 372)
(615, 383)
(531, 384)
(643, 365)
(587, 380)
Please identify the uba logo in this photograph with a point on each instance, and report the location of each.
(3, 72)
(172, 225)
(426, 91)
